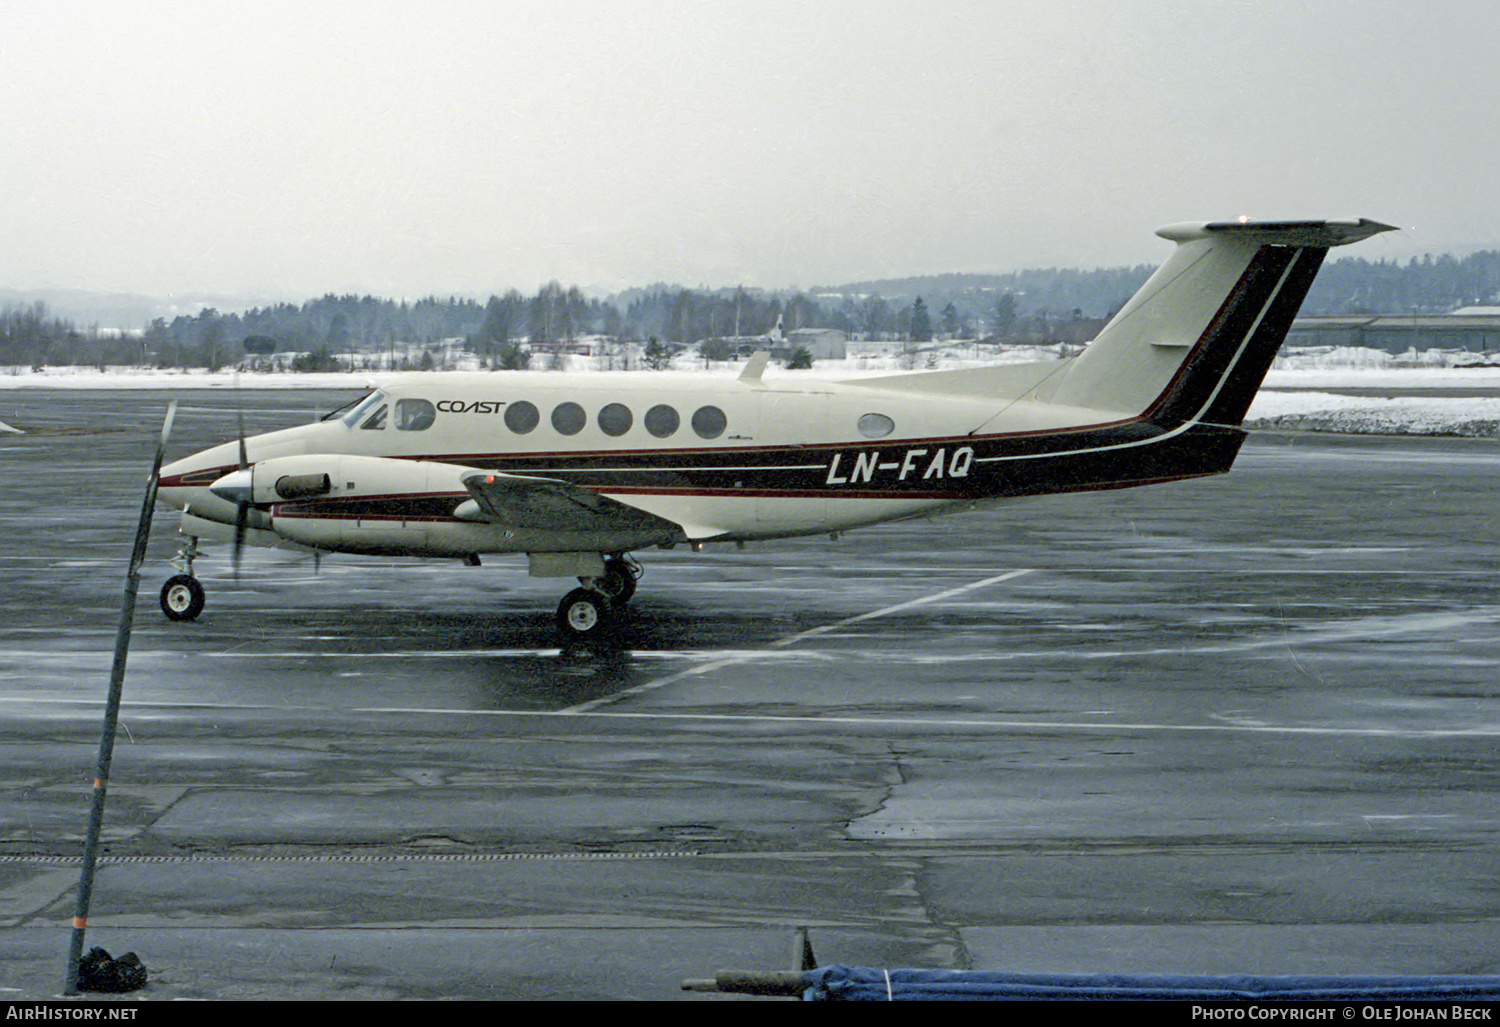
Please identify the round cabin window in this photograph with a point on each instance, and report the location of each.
(615, 419)
(522, 417)
(568, 418)
(709, 422)
(874, 426)
(662, 421)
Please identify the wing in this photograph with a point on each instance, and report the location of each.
(547, 504)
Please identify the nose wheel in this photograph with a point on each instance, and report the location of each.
(182, 597)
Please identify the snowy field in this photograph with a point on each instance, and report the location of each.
(1306, 390)
(1469, 416)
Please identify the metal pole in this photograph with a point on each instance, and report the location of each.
(112, 712)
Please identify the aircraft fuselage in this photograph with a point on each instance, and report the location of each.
(728, 459)
(579, 470)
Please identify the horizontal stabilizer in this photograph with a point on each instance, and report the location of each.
(1322, 234)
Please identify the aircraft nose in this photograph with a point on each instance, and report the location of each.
(236, 486)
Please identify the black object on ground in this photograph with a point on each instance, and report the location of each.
(98, 971)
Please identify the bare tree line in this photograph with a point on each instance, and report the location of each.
(1033, 306)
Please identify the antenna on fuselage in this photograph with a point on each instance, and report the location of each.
(755, 366)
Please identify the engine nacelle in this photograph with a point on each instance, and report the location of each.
(338, 476)
(360, 503)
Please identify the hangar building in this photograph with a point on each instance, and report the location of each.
(1477, 333)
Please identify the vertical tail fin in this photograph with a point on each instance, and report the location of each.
(1195, 342)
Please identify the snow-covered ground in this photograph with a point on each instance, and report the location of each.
(1473, 416)
(1306, 390)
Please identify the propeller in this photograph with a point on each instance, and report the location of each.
(242, 508)
(112, 712)
(238, 487)
(138, 555)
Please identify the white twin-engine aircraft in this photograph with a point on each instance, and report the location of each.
(577, 471)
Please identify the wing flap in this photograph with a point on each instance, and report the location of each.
(547, 504)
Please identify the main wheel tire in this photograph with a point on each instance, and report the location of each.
(618, 582)
(182, 597)
(584, 614)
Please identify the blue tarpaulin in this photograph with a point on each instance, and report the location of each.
(874, 984)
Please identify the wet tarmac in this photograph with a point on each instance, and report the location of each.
(1246, 724)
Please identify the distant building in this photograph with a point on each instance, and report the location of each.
(583, 347)
(822, 343)
(1477, 333)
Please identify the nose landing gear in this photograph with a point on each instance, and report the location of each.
(182, 596)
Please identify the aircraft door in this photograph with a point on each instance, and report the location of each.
(792, 424)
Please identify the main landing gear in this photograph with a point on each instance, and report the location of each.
(182, 596)
(587, 613)
(593, 611)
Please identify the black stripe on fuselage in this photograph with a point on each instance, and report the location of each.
(952, 468)
(1128, 455)
(422, 507)
(1214, 384)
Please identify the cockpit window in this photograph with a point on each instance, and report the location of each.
(365, 405)
(375, 420)
(414, 414)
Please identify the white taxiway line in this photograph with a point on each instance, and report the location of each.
(946, 724)
(781, 643)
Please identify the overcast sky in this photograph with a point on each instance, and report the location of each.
(443, 146)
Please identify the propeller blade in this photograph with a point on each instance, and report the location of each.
(138, 555)
(244, 458)
(241, 518)
(112, 712)
(242, 507)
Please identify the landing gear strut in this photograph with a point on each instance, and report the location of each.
(182, 596)
(620, 575)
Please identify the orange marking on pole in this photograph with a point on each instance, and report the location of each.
(80, 922)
